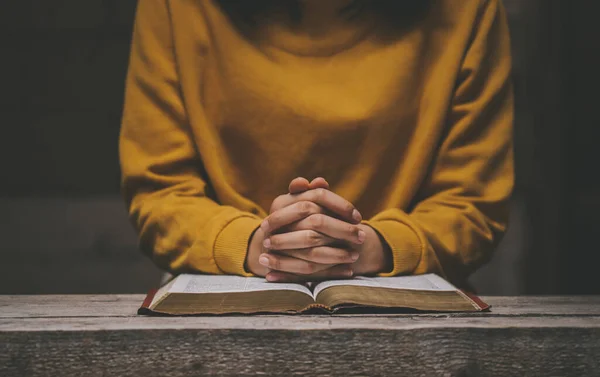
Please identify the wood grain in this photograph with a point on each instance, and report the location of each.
(350, 352)
(101, 336)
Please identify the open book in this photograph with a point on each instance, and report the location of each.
(218, 294)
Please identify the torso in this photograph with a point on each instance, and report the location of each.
(363, 111)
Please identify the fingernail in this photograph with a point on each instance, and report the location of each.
(267, 243)
(264, 261)
(265, 226)
(348, 273)
(354, 256)
(270, 277)
(356, 216)
(361, 236)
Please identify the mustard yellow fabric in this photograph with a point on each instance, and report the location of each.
(414, 130)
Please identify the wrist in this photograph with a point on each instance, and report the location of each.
(377, 254)
(255, 248)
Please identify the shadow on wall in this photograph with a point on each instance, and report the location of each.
(503, 275)
(71, 245)
(86, 245)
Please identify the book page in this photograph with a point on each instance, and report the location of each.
(188, 283)
(162, 291)
(429, 282)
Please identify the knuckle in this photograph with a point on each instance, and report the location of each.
(276, 263)
(351, 229)
(320, 193)
(309, 268)
(338, 255)
(317, 254)
(313, 238)
(271, 220)
(335, 255)
(316, 221)
(275, 242)
(305, 208)
(276, 204)
(279, 218)
(345, 257)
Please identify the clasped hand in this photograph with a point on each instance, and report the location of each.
(314, 234)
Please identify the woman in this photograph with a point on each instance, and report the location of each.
(405, 110)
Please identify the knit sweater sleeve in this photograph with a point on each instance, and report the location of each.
(180, 226)
(462, 209)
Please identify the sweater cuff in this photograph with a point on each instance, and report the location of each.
(231, 245)
(404, 242)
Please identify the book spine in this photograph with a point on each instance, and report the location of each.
(478, 303)
(319, 307)
(145, 308)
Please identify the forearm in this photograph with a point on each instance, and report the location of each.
(442, 236)
(461, 209)
(183, 232)
(164, 184)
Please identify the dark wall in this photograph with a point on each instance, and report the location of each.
(580, 258)
(64, 227)
(64, 62)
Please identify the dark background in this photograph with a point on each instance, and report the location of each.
(63, 226)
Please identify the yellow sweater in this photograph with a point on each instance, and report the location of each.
(415, 131)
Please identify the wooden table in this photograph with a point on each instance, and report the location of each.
(102, 336)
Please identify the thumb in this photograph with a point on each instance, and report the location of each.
(298, 185)
(319, 182)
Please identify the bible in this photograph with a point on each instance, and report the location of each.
(189, 294)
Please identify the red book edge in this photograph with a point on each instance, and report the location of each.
(483, 306)
(145, 308)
